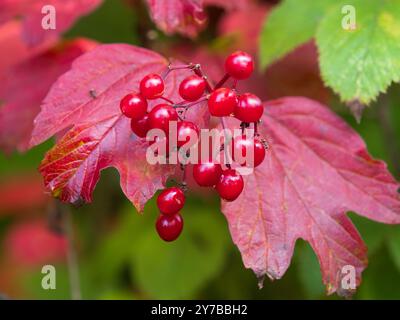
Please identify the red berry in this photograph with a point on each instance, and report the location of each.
(230, 185)
(240, 146)
(185, 130)
(222, 102)
(169, 227)
(133, 106)
(161, 115)
(192, 88)
(239, 65)
(207, 174)
(152, 86)
(171, 200)
(249, 108)
(141, 126)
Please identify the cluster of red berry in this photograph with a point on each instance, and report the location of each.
(222, 102)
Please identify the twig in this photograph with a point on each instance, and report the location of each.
(168, 100)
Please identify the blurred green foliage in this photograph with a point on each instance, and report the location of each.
(121, 256)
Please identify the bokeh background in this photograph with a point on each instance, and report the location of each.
(119, 254)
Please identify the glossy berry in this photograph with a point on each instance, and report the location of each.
(161, 115)
(243, 144)
(222, 102)
(171, 200)
(152, 86)
(192, 88)
(207, 174)
(249, 108)
(230, 185)
(169, 227)
(140, 126)
(133, 106)
(239, 65)
(186, 131)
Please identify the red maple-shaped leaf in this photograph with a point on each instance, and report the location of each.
(87, 99)
(316, 170)
(185, 16)
(67, 12)
(25, 85)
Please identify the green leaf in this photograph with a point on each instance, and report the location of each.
(179, 269)
(361, 63)
(290, 24)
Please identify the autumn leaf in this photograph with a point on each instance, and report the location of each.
(86, 99)
(316, 171)
(31, 186)
(67, 12)
(25, 85)
(185, 16)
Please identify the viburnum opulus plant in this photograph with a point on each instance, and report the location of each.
(315, 170)
(222, 102)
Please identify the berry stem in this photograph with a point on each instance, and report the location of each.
(168, 100)
(185, 66)
(173, 68)
(222, 81)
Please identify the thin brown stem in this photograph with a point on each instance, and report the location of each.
(168, 100)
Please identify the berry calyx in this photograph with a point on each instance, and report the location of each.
(192, 88)
(140, 126)
(222, 102)
(207, 174)
(171, 200)
(169, 227)
(185, 131)
(152, 86)
(240, 147)
(249, 108)
(161, 115)
(239, 65)
(230, 185)
(133, 106)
